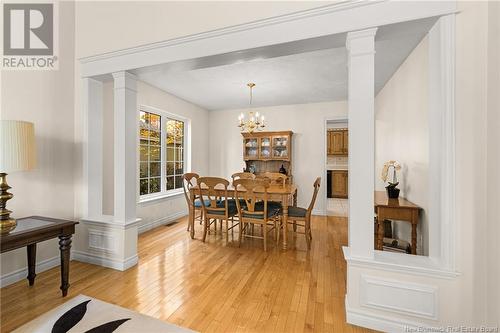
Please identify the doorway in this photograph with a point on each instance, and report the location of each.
(337, 167)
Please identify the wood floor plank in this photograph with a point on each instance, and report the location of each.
(212, 286)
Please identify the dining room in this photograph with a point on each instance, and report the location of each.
(205, 164)
(261, 112)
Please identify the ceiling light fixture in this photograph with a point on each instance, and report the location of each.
(255, 121)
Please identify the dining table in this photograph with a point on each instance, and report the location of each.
(285, 194)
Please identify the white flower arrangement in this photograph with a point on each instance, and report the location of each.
(396, 166)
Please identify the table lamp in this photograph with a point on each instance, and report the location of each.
(17, 153)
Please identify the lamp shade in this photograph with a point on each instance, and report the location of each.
(17, 146)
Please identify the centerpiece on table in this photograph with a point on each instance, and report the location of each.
(392, 190)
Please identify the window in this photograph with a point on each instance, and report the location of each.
(175, 153)
(162, 152)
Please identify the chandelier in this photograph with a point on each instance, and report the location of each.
(254, 121)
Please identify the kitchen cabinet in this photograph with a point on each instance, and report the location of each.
(339, 184)
(338, 142)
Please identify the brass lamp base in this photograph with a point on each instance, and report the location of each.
(7, 224)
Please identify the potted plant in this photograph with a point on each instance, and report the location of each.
(392, 190)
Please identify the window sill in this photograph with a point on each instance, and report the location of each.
(400, 263)
(158, 197)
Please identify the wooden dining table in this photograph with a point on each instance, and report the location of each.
(281, 193)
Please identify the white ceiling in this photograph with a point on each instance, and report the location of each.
(293, 73)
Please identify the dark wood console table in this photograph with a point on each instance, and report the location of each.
(397, 209)
(35, 229)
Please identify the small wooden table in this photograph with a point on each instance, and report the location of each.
(35, 229)
(396, 209)
(274, 192)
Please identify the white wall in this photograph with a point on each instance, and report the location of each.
(159, 211)
(402, 134)
(471, 156)
(307, 121)
(493, 194)
(46, 99)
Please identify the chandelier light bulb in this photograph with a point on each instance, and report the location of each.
(255, 121)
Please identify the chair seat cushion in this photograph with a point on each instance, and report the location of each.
(197, 203)
(275, 206)
(231, 208)
(273, 209)
(243, 203)
(296, 211)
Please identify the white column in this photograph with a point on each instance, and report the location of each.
(125, 147)
(92, 152)
(361, 66)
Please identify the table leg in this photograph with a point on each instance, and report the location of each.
(64, 247)
(413, 238)
(285, 221)
(191, 214)
(380, 232)
(31, 249)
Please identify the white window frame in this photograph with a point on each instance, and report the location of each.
(164, 193)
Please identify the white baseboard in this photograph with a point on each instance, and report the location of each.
(161, 221)
(105, 262)
(373, 321)
(320, 212)
(20, 274)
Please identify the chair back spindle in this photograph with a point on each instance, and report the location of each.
(242, 175)
(316, 185)
(275, 178)
(252, 191)
(208, 189)
(189, 180)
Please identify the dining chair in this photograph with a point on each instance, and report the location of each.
(215, 204)
(189, 180)
(242, 175)
(275, 178)
(298, 214)
(256, 208)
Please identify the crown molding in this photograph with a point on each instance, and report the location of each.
(308, 13)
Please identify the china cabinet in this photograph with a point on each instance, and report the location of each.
(268, 151)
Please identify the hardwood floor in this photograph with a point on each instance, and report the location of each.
(210, 287)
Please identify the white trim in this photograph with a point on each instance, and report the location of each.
(109, 221)
(399, 291)
(380, 323)
(166, 220)
(319, 212)
(21, 274)
(448, 221)
(160, 196)
(114, 263)
(308, 13)
(106, 241)
(400, 263)
(316, 22)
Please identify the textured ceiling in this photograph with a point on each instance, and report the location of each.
(300, 72)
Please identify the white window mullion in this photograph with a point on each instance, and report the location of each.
(163, 154)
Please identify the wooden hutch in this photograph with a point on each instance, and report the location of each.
(268, 151)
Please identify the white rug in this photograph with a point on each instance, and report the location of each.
(86, 314)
